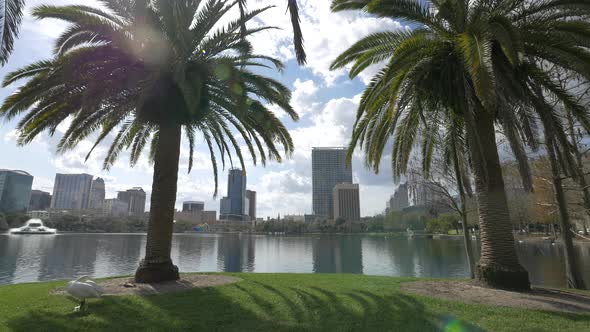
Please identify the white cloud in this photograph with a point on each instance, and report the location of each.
(326, 35)
(73, 161)
(11, 136)
(304, 99)
(284, 191)
(331, 126)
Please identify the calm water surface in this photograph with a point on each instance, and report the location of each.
(65, 256)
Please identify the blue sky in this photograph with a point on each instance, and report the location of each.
(325, 100)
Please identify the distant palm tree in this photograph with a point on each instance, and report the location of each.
(468, 58)
(11, 15)
(146, 71)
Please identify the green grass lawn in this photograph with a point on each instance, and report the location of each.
(273, 302)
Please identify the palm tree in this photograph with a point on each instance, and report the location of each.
(572, 268)
(11, 15)
(461, 57)
(146, 72)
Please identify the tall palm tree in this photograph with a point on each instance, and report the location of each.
(11, 15)
(461, 56)
(146, 71)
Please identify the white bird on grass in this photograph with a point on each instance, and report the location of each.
(83, 288)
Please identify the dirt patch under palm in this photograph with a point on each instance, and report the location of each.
(126, 286)
(470, 292)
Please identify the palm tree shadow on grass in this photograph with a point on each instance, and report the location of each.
(246, 306)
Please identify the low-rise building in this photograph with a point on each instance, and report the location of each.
(39, 214)
(294, 218)
(197, 217)
(193, 206)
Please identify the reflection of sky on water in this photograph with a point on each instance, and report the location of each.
(65, 256)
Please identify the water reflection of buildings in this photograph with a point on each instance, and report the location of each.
(236, 253)
(196, 252)
(30, 252)
(337, 254)
(414, 257)
(68, 256)
(117, 252)
(8, 258)
(39, 258)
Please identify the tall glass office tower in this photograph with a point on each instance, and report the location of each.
(328, 169)
(236, 191)
(233, 206)
(15, 190)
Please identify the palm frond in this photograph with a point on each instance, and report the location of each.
(297, 33)
(11, 14)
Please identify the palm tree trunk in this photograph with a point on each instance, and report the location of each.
(498, 266)
(572, 269)
(582, 183)
(157, 265)
(463, 213)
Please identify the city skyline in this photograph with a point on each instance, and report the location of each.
(80, 192)
(325, 100)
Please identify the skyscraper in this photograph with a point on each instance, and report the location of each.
(71, 191)
(233, 206)
(40, 200)
(347, 202)
(97, 194)
(328, 169)
(425, 195)
(400, 199)
(15, 190)
(135, 198)
(251, 197)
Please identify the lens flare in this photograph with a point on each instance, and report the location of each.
(453, 325)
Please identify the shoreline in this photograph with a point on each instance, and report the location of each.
(530, 238)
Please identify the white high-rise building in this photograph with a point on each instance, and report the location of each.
(71, 191)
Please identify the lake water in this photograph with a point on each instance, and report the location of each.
(66, 256)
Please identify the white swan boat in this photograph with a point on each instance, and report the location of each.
(33, 226)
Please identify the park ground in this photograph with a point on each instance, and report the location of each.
(275, 302)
